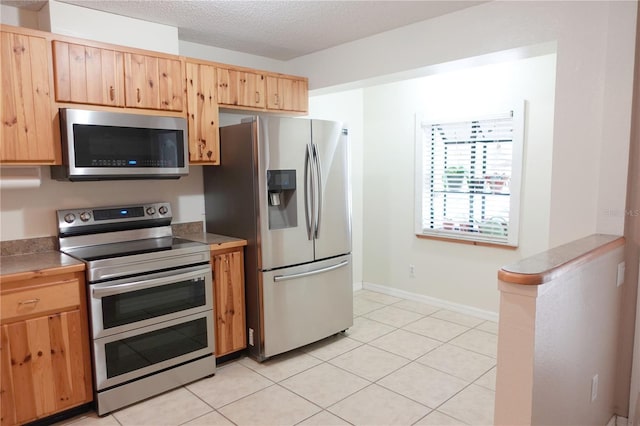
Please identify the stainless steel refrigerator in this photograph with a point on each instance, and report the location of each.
(284, 186)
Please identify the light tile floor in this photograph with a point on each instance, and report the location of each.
(402, 363)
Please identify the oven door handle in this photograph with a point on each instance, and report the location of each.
(101, 292)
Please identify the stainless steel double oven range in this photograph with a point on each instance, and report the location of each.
(150, 300)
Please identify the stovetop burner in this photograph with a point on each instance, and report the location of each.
(130, 248)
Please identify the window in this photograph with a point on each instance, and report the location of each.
(468, 175)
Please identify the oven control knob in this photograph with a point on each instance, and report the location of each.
(85, 216)
(69, 217)
(163, 210)
(151, 211)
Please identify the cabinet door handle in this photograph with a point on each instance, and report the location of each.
(257, 97)
(138, 94)
(112, 93)
(29, 302)
(276, 99)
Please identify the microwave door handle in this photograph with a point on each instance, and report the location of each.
(143, 284)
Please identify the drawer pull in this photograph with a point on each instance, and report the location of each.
(29, 302)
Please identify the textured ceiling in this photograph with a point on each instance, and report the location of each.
(275, 29)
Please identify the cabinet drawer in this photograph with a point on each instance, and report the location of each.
(41, 299)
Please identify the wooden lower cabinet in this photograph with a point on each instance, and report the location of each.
(44, 358)
(229, 309)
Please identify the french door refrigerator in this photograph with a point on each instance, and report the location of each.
(284, 186)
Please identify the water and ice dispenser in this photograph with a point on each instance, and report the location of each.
(281, 188)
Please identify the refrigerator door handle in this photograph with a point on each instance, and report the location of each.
(278, 278)
(308, 174)
(318, 210)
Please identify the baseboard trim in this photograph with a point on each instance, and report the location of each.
(441, 303)
(357, 286)
(617, 421)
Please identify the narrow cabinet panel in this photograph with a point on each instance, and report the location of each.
(273, 92)
(228, 271)
(300, 98)
(27, 125)
(227, 86)
(170, 84)
(41, 373)
(23, 397)
(9, 415)
(202, 113)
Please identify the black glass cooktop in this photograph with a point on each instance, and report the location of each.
(130, 248)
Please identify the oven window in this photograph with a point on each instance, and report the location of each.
(134, 306)
(134, 353)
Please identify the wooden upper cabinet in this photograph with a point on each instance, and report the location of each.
(102, 76)
(153, 82)
(241, 88)
(27, 122)
(88, 75)
(287, 94)
(202, 114)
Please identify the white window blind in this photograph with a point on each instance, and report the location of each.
(468, 178)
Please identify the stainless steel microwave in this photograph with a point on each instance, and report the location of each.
(101, 145)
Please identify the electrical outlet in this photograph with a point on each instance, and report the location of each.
(620, 279)
(594, 388)
(412, 271)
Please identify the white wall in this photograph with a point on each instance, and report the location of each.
(458, 273)
(347, 106)
(593, 89)
(30, 212)
(76, 21)
(216, 54)
(10, 15)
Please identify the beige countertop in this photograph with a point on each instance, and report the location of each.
(26, 266)
(31, 265)
(545, 266)
(216, 241)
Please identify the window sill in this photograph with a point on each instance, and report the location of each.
(465, 241)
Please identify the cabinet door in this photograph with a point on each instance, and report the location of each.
(27, 122)
(88, 75)
(153, 83)
(43, 363)
(251, 89)
(228, 273)
(273, 93)
(227, 86)
(202, 112)
(241, 88)
(300, 96)
(287, 94)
